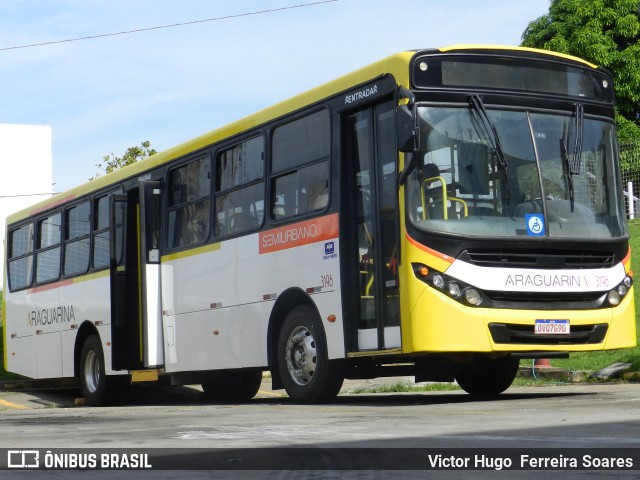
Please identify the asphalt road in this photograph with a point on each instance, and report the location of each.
(581, 416)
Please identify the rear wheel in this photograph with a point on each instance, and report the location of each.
(97, 388)
(305, 370)
(235, 386)
(485, 376)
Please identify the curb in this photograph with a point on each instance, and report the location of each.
(550, 373)
(27, 384)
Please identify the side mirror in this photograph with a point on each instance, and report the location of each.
(407, 130)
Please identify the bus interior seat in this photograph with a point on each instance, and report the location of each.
(243, 222)
(318, 196)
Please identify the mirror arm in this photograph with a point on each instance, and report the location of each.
(408, 130)
(408, 94)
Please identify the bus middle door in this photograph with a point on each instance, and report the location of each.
(152, 336)
(136, 322)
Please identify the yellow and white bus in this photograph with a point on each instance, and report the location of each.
(441, 213)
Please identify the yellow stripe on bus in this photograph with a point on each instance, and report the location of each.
(192, 252)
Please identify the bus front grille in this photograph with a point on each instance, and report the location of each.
(550, 259)
(547, 300)
(506, 333)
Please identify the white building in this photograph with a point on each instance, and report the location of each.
(26, 171)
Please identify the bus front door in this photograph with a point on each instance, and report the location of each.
(370, 216)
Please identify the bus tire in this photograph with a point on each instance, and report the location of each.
(97, 388)
(487, 377)
(307, 374)
(237, 386)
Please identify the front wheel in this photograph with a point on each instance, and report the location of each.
(97, 388)
(486, 377)
(306, 372)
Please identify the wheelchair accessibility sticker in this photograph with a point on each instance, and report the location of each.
(535, 224)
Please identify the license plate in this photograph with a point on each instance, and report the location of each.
(552, 327)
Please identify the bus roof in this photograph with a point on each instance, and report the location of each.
(564, 56)
(395, 64)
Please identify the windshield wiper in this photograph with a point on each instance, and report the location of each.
(573, 166)
(568, 168)
(577, 148)
(490, 133)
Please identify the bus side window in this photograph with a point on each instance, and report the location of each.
(240, 187)
(20, 257)
(190, 203)
(48, 249)
(301, 164)
(76, 234)
(101, 233)
(314, 181)
(303, 191)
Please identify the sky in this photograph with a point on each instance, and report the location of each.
(167, 85)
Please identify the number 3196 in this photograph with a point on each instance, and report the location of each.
(327, 281)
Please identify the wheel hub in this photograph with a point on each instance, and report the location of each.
(91, 371)
(300, 355)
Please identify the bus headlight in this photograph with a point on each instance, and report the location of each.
(473, 297)
(613, 297)
(437, 280)
(454, 288)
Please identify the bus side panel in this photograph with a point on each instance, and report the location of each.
(35, 313)
(73, 300)
(204, 340)
(200, 309)
(20, 335)
(48, 344)
(303, 255)
(88, 299)
(258, 281)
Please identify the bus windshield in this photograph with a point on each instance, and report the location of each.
(505, 173)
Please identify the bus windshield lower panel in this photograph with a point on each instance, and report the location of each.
(498, 173)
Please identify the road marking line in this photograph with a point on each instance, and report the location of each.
(13, 405)
(273, 394)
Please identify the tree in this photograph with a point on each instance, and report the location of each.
(111, 163)
(604, 32)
